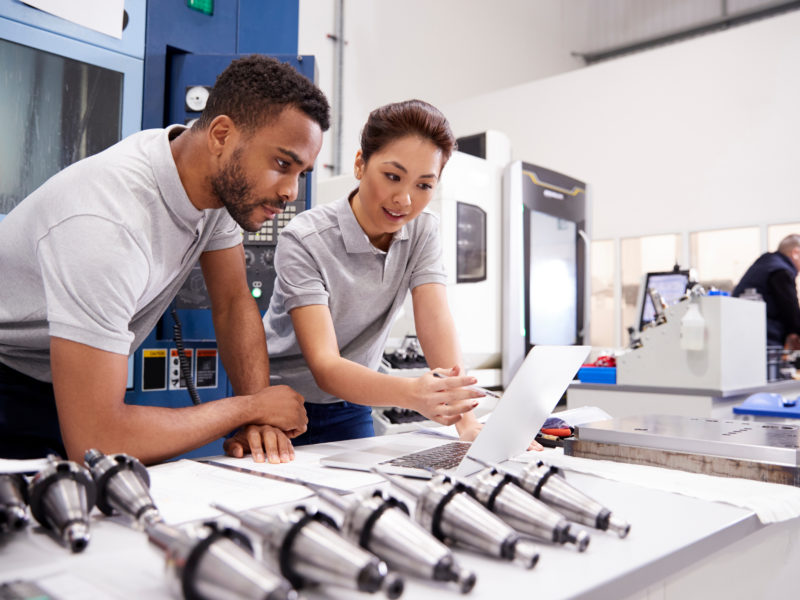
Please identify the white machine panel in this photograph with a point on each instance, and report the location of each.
(733, 354)
(475, 306)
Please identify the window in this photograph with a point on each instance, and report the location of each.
(639, 256)
(775, 233)
(602, 309)
(722, 256)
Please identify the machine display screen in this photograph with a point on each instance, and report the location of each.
(55, 111)
(671, 285)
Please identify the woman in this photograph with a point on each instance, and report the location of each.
(343, 272)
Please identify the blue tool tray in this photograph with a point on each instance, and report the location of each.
(598, 374)
(769, 405)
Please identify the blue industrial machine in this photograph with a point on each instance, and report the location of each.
(170, 54)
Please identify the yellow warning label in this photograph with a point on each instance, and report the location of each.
(162, 353)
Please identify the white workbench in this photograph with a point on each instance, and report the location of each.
(679, 547)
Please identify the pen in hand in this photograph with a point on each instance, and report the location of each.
(477, 388)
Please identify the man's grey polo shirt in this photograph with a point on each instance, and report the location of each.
(97, 253)
(324, 257)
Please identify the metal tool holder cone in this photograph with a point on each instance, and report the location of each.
(13, 502)
(123, 486)
(61, 496)
(447, 509)
(548, 485)
(212, 563)
(498, 492)
(382, 524)
(309, 549)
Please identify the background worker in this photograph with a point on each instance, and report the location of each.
(774, 275)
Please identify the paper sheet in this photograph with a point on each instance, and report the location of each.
(772, 502)
(32, 465)
(306, 467)
(104, 16)
(183, 491)
(582, 415)
(449, 432)
(59, 583)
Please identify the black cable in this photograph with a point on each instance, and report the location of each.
(186, 370)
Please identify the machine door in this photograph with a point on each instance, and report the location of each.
(554, 221)
(544, 262)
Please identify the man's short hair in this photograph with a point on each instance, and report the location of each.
(789, 243)
(255, 89)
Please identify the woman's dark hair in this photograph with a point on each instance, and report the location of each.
(254, 89)
(401, 119)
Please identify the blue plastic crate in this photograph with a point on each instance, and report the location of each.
(597, 374)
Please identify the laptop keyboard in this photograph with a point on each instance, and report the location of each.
(446, 456)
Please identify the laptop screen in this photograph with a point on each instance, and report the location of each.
(531, 396)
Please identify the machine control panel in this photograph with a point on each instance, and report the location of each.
(268, 234)
(259, 255)
(259, 251)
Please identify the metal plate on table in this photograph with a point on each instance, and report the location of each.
(760, 442)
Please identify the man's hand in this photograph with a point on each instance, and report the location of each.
(281, 407)
(257, 439)
(445, 399)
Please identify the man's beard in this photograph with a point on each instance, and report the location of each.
(231, 188)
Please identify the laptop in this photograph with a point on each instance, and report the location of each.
(529, 399)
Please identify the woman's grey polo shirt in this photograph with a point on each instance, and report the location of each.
(324, 257)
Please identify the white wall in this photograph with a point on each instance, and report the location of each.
(316, 20)
(703, 134)
(697, 135)
(438, 51)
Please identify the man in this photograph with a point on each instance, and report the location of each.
(91, 259)
(773, 276)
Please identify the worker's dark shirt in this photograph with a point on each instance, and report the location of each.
(784, 290)
(773, 275)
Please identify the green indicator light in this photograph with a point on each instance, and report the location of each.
(256, 293)
(203, 6)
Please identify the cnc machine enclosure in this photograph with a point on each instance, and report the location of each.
(733, 355)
